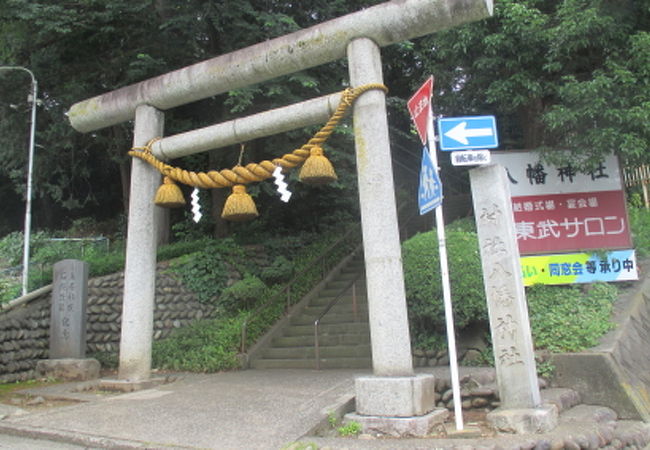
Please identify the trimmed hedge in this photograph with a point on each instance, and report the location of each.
(424, 283)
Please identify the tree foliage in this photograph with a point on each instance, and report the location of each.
(571, 74)
(557, 74)
(83, 48)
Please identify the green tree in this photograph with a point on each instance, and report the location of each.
(571, 74)
(88, 47)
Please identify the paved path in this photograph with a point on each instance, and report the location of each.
(253, 409)
(258, 409)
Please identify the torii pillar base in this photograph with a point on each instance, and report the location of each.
(399, 406)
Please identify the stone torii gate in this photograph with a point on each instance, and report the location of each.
(394, 390)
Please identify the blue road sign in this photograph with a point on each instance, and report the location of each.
(465, 133)
(430, 190)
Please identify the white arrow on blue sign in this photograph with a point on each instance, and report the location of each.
(430, 190)
(465, 133)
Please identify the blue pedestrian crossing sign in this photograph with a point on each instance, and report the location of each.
(430, 190)
(466, 133)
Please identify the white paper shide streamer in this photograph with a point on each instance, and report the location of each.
(196, 207)
(285, 195)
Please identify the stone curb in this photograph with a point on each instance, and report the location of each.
(76, 438)
(567, 435)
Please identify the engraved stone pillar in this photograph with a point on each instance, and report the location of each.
(68, 325)
(506, 300)
(68, 319)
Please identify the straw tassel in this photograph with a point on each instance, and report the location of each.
(169, 195)
(317, 169)
(239, 205)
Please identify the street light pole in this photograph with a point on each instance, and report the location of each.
(30, 167)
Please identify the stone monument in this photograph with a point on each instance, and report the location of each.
(521, 410)
(68, 324)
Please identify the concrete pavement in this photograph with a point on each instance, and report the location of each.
(253, 409)
(259, 409)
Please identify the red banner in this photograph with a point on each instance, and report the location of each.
(571, 222)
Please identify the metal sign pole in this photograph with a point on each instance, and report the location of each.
(446, 291)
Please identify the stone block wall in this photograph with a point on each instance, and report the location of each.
(24, 337)
(25, 323)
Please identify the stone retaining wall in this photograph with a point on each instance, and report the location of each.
(25, 322)
(478, 390)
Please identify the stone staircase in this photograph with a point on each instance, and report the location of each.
(343, 341)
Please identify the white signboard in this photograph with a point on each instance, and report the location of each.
(529, 176)
(470, 157)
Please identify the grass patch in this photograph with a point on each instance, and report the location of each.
(570, 318)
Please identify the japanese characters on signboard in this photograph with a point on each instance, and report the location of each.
(616, 265)
(558, 209)
(420, 108)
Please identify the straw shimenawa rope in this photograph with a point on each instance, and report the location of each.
(254, 172)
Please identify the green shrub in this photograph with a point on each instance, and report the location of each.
(424, 284)
(568, 319)
(208, 345)
(106, 264)
(11, 249)
(180, 248)
(467, 224)
(205, 272)
(188, 231)
(640, 227)
(243, 294)
(279, 271)
(9, 290)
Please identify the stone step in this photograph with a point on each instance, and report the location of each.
(334, 363)
(338, 351)
(343, 338)
(338, 308)
(352, 273)
(329, 318)
(335, 291)
(324, 300)
(335, 339)
(349, 274)
(328, 329)
(341, 282)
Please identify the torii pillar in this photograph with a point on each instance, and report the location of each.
(140, 268)
(393, 400)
